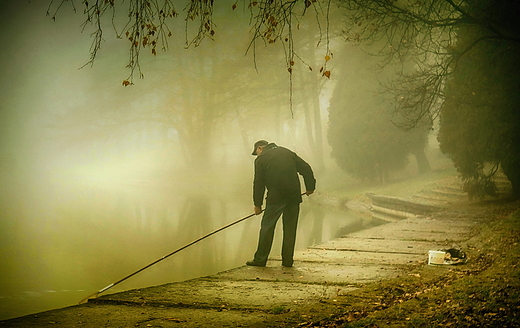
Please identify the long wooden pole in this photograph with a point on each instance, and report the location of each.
(164, 257)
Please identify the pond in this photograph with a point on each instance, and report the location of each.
(62, 243)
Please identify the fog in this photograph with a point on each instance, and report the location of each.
(98, 180)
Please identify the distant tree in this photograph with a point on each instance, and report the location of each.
(191, 114)
(451, 42)
(364, 140)
(480, 117)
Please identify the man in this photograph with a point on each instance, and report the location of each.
(277, 169)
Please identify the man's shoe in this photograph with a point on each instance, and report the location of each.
(287, 265)
(253, 263)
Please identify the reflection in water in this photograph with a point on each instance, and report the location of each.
(316, 215)
(71, 242)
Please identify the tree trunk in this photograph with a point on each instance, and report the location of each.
(512, 172)
(422, 161)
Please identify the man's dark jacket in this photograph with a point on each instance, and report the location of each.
(276, 169)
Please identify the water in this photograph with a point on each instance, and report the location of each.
(63, 242)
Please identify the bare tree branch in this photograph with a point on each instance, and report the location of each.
(424, 33)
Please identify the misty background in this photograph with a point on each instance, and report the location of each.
(98, 179)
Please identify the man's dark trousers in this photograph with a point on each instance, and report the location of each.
(290, 213)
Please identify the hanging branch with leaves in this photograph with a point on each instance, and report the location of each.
(147, 28)
(147, 24)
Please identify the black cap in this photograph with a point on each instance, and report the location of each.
(258, 144)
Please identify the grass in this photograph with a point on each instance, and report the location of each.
(279, 309)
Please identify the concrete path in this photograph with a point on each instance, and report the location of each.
(323, 271)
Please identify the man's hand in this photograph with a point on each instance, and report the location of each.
(258, 210)
(309, 192)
